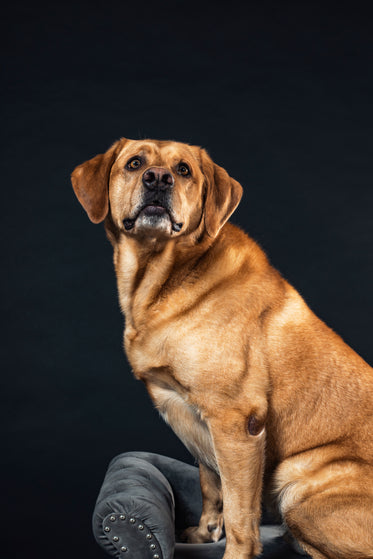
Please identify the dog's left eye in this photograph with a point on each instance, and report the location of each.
(183, 169)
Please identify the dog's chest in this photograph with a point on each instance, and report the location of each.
(170, 366)
(193, 350)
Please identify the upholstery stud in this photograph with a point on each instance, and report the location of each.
(107, 529)
(113, 518)
(123, 548)
(141, 527)
(152, 547)
(148, 536)
(122, 517)
(115, 539)
(156, 556)
(132, 520)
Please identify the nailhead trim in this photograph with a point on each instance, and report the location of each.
(141, 527)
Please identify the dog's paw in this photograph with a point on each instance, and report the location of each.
(199, 534)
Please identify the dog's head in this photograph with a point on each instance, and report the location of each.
(157, 189)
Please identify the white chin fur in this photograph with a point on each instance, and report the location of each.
(156, 225)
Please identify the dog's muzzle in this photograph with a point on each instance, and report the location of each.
(155, 210)
(157, 179)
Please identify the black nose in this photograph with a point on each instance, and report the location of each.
(157, 178)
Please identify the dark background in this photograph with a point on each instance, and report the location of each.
(279, 93)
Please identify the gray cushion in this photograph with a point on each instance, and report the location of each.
(146, 500)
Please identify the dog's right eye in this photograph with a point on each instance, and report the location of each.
(134, 163)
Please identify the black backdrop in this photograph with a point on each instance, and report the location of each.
(279, 93)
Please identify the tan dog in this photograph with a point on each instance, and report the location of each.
(255, 385)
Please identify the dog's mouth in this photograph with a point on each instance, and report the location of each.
(152, 215)
(155, 210)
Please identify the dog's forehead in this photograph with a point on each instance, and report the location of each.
(159, 151)
(177, 151)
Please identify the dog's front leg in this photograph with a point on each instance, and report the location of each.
(239, 442)
(210, 526)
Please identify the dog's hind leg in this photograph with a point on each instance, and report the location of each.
(332, 525)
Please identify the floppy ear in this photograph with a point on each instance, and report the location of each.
(90, 181)
(222, 197)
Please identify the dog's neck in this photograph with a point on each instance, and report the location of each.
(148, 269)
(157, 279)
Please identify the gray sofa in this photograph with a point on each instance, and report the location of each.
(147, 500)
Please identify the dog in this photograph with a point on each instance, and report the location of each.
(268, 399)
